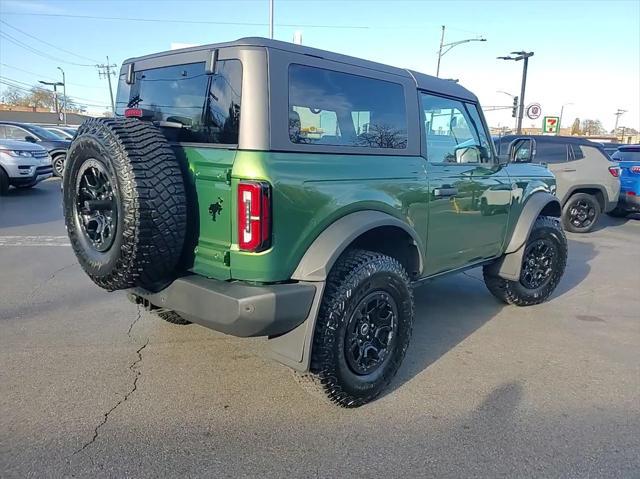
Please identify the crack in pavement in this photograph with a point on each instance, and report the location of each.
(134, 367)
(51, 276)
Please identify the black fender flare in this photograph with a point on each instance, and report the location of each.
(294, 348)
(510, 264)
(331, 243)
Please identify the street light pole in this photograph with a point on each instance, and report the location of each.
(271, 19)
(64, 93)
(449, 46)
(55, 86)
(618, 114)
(521, 56)
(560, 120)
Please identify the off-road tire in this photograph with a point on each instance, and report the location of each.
(566, 212)
(515, 292)
(57, 162)
(173, 318)
(4, 182)
(356, 274)
(149, 189)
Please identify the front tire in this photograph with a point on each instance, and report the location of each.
(363, 328)
(580, 214)
(58, 165)
(543, 264)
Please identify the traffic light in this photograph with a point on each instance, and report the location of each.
(514, 111)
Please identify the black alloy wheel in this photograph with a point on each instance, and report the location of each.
(537, 265)
(582, 214)
(370, 334)
(96, 205)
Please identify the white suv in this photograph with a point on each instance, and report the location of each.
(22, 164)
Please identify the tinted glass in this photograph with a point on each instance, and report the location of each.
(333, 108)
(195, 106)
(626, 155)
(454, 131)
(591, 153)
(44, 134)
(550, 152)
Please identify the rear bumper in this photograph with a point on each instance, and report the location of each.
(629, 202)
(235, 308)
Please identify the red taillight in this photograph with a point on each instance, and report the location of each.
(614, 170)
(133, 113)
(631, 193)
(254, 215)
(635, 169)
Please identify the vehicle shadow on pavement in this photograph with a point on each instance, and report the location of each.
(450, 309)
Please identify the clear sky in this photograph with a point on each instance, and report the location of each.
(587, 52)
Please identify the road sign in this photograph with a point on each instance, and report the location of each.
(534, 110)
(551, 124)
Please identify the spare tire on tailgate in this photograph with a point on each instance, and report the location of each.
(124, 203)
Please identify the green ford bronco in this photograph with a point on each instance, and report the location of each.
(261, 188)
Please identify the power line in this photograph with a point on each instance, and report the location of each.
(47, 43)
(18, 85)
(46, 77)
(31, 49)
(195, 22)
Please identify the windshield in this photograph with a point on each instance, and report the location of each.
(44, 134)
(627, 155)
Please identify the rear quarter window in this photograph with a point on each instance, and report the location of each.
(333, 108)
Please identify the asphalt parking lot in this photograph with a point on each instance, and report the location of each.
(90, 386)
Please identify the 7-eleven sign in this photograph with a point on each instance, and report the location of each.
(551, 124)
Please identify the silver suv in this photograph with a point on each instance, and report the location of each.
(588, 183)
(22, 165)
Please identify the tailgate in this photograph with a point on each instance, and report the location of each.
(211, 174)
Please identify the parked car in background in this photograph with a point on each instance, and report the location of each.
(56, 146)
(628, 157)
(587, 181)
(22, 165)
(610, 148)
(66, 133)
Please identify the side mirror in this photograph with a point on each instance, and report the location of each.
(31, 139)
(521, 151)
(468, 154)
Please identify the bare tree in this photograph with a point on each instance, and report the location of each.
(575, 128)
(593, 127)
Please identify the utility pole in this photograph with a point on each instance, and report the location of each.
(449, 46)
(560, 120)
(64, 93)
(55, 86)
(107, 71)
(618, 114)
(271, 19)
(520, 56)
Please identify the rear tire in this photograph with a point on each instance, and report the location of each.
(544, 262)
(580, 213)
(124, 204)
(363, 329)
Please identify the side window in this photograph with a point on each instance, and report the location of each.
(590, 152)
(190, 105)
(454, 132)
(333, 108)
(15, 133)
(550, 152)
(3, 132)
(576, 152)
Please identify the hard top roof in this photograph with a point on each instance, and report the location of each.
(425, 82)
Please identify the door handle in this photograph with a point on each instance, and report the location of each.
(444, 192)
(569, 170)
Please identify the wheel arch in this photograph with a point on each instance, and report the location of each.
(595, 190)
(372, 230)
